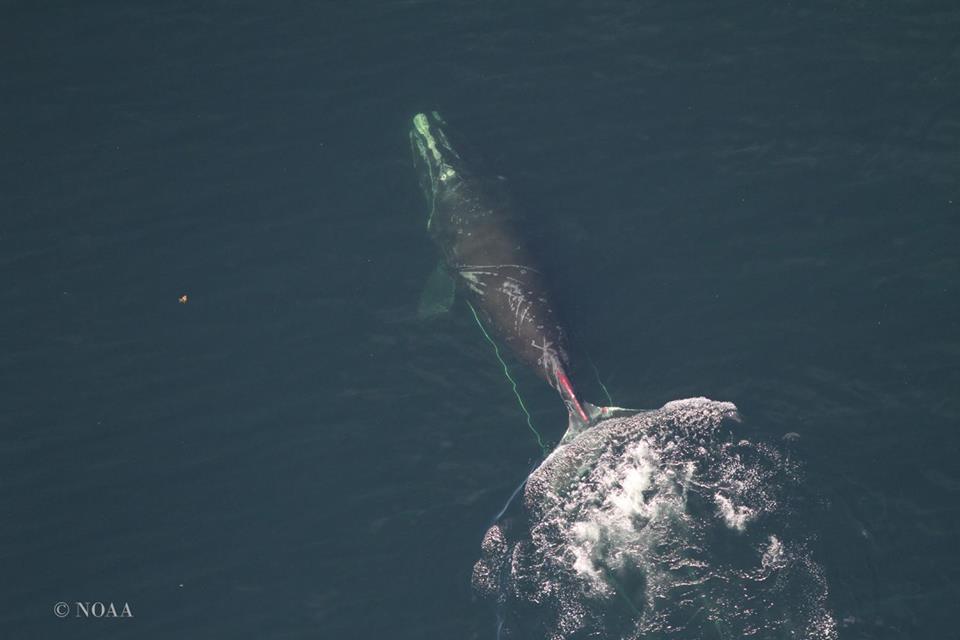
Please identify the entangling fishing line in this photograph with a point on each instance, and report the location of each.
(513, 382)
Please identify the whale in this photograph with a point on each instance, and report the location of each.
(472, 219)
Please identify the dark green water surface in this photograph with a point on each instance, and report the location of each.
(752, 201)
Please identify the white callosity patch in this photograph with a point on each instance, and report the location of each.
(658, 524)
(432, 143)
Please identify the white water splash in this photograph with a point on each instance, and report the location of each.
(656, 524)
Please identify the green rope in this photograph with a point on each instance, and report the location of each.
(600, 382)
(513, 382)
(620, 589)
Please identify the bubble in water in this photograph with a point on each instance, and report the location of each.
(656, 525)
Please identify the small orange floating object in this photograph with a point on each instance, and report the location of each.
(183, 299)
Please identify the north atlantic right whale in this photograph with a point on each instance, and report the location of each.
(471, 219)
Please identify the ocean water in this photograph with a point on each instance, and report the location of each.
(752, 202)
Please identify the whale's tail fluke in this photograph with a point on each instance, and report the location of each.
(583, 415)
(591, 415)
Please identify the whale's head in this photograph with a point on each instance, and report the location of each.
(437, 163)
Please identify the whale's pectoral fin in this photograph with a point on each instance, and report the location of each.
(438, 293)
(596, 414)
